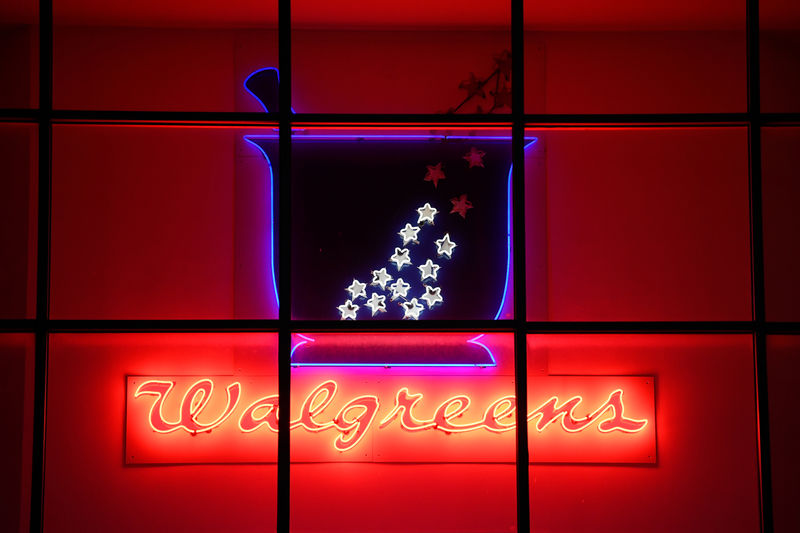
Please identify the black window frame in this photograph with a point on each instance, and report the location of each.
(42, 326)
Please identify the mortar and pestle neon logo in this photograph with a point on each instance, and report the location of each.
(391, 225)
(394, 223)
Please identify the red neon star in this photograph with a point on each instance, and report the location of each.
(460, 205)
(475, 157)
(434, 174)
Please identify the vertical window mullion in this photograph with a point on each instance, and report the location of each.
(757, 251)
(42, 261)
(520, 340)
(284, 261)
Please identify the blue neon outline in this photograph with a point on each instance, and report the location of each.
(376, 137)
(473, 340)
(277, 73)
(407, 365)
(356, 137)
(532, 140)
(508, 231)
(271, 220)
(299, 344)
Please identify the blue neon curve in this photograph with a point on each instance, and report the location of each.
(390, 365)
(355, 137)
(508, 232)
(277, 74)
(473, 340)
(271, 221)
(299, 344)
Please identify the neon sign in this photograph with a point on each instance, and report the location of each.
(197, 408)
(458, 351)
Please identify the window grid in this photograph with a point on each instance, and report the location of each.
(42, 326)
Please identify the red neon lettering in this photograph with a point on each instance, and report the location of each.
(444, 415)
(507, 406)
(313, 406)
(550, 411)
(160, 389)
(250, 421)
(403, 403)
(618, 421)
(498, 417)
(369, 407)
(192, 404)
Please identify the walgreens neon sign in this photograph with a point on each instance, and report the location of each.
(199, 410)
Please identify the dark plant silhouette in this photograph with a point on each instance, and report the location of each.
(476, 87)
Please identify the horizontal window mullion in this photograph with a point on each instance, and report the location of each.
(543, 327)
(257, 118)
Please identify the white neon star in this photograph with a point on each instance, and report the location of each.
(433, 295)
(399, 289)
(409, 234)
(412, 309)
(444, 246)
(381, 277)
(377, 303)
(401, 257)
(426, 214)
(428, 270)
(348, 310)
(356, 290)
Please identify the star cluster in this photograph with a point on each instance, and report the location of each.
(419, 247)
(386, 288)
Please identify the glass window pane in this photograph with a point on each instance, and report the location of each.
(161, 56)
(781, 192)
(410, 57)
(375, 425)
(19, 54)
(18, 211)
(705, 476)
(780, 55)
(91, 481)
(638, 224)
(783, 366)
(401, 224)
(16, 439)
(161, 222)
(660, 56)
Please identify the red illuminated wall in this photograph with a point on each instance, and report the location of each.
(602, 72)
(18, 220)
(88, 478)
(784, 364)
(196, 202)
(706, 475)
(88, 485)
(665, 57)
(638, 224)
(781, 221)
(16, 439)
(624, 222)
